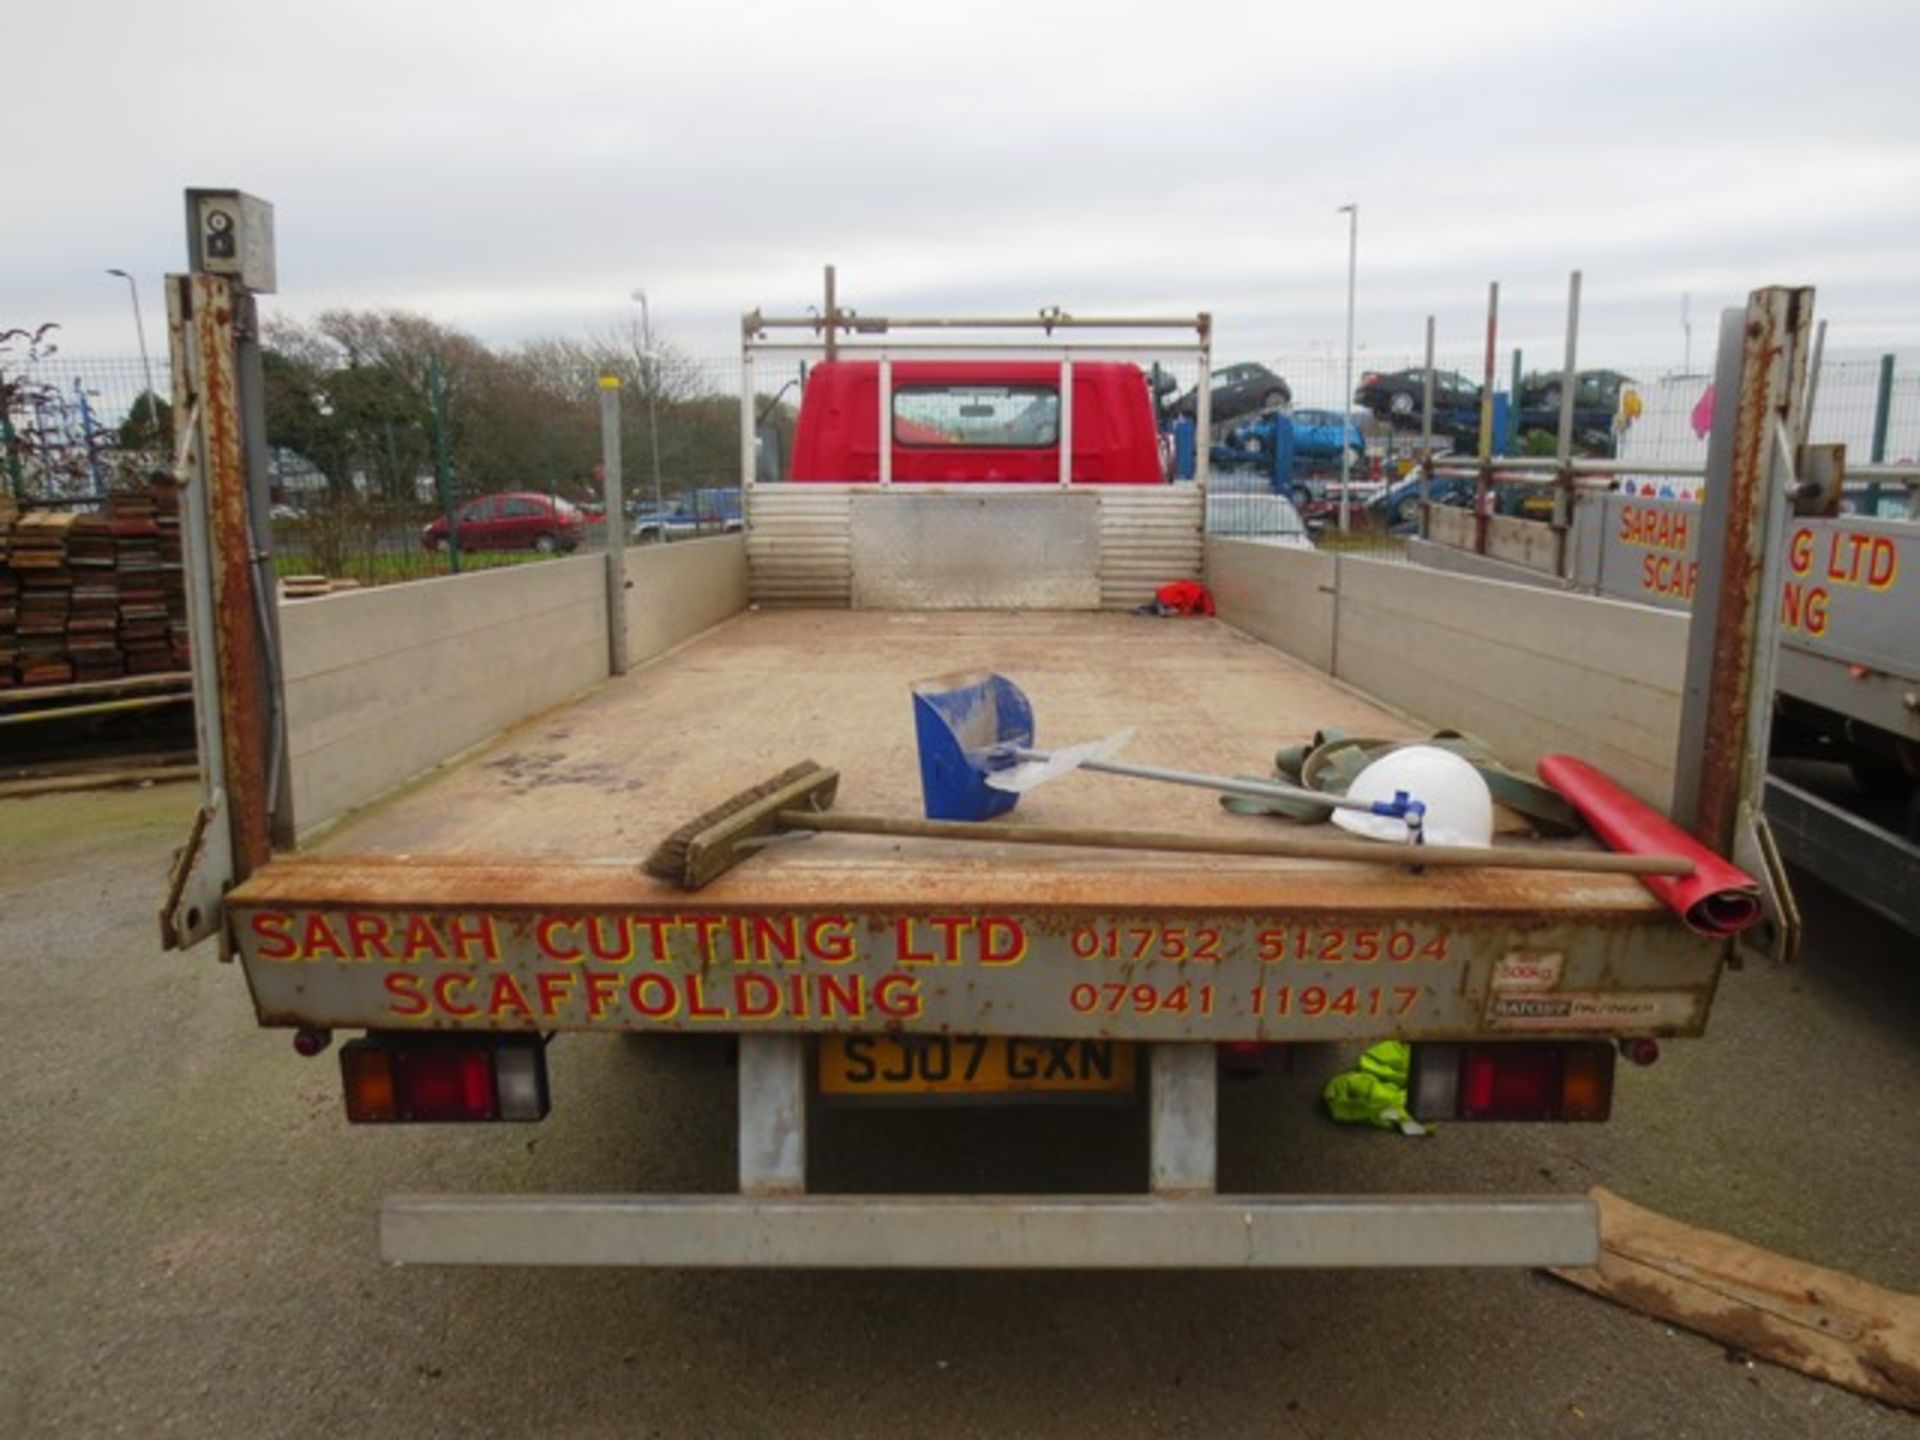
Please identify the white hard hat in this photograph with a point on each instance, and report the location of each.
(1459, 805)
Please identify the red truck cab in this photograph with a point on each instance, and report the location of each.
(978, 422)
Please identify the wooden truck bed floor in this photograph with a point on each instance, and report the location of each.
(562, 809)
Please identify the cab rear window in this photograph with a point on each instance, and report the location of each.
(975, 416)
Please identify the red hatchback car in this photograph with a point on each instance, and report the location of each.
(513, 520)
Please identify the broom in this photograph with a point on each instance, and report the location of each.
(795, 802)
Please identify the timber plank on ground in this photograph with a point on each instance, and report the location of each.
(1820, 1322)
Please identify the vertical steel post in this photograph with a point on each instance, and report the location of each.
(616, 508)
(1203, 415)
(1805, 430)
(1483, 481)
(1563, 447)
(1727, 702)
(1563, 450)
(15, 478)
(832, 318)
(749, 471)
(1066, 420)
(1346, 395)
(772, 1123)
(1510, 441)
(653, 389)
(1183, 1118)
(1882, 416)
(442, 461)
(1426, 427)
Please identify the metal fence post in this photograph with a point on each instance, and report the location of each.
(1510, 442)
(1426, 427)
(1563, 448)
(442, 463)
(749, 432)
(8, 439)
(1882, 416)
(1203, 414)
(616, 511)
(1483, 481)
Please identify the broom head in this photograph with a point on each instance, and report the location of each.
(708, 845)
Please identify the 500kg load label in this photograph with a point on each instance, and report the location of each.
(964, 973)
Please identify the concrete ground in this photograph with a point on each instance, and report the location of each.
(189, 1246)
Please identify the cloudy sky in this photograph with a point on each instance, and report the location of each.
(519, 169)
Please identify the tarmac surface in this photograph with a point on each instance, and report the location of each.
(190, 1249)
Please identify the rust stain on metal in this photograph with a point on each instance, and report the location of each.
(237, 658)
(1776, 321)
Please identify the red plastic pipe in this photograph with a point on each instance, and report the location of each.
(1718, 899)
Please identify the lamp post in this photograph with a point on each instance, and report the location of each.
(1352, 212)
(140, 330)
(653, 420)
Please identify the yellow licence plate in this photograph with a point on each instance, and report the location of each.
(972, 1065)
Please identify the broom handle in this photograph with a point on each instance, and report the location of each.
(1366, 851)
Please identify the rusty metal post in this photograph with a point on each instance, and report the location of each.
(250, 373)
(238, 661)
(1730, 644)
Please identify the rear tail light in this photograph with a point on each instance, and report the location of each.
(431, 1078)
(1245, 1057)
(1513, 1081)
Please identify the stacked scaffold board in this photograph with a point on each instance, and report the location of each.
(94, 592)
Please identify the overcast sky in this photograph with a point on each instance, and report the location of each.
(519, 169)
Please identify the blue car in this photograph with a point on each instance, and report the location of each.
(696, 512)
(1399, 504)
(1316, 436)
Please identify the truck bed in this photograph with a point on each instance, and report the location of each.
(591, 787)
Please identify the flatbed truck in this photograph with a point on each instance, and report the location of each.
(499, 904)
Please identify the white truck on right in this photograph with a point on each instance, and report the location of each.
(1847, 675)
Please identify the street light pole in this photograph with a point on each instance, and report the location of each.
(1352, 212)
(140, 329)
(653, 420)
